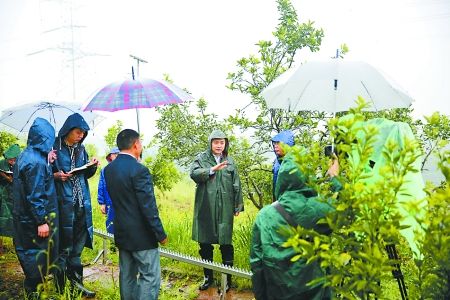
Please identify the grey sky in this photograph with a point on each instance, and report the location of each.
(198, 42)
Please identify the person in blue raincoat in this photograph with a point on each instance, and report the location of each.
(103, 198)
(283, 137)
(35, 209)
(76, 231)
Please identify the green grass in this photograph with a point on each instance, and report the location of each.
(176, 211)
(180, 280)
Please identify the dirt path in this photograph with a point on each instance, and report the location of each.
(106, 274)
(11, 277)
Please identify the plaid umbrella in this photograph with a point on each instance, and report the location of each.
(140, 93)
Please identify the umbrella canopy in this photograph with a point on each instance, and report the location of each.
(140, 93)
(334, 86)
(20, 118)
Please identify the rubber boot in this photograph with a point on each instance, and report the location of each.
(229, 264)
(60, 281)
(208, 280)
(206, 253)
(76, 282)
(30, 286)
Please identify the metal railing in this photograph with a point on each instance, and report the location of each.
(223, 269)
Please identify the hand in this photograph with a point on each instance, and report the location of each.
(236, 214)
(51, 157)
(103, 209)
(43, 230)
(9, 178)
(61, 176)
(164, 242)
(334, 167)
(220, 166)
(95, 161)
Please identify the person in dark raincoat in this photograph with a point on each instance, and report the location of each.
(76, 231)
(283, 137)
(6, 201)
(275, 276)
(218, 198)
(103, 197)
(35, 209)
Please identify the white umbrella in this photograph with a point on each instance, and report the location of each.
(20, 118)
(334, 86)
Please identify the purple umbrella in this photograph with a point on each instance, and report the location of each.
(140, 93)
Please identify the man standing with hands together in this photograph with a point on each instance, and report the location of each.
(137, 226)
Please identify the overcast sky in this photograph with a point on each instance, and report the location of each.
(198, 42)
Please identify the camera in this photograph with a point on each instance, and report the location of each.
(330, 149)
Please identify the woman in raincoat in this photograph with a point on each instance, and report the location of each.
(35, 209)
(218, 198)
(6, 179)
(275, 276)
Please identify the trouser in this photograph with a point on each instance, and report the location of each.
(34, 266)
(144, 263)
(70, 258)
(206, 253)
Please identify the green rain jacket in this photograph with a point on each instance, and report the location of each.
(274, 275)
(6, 202)
(217, 196)
(413, 186)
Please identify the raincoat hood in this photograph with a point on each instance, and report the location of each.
(73, 121)
(41, 135)
(285, 136)
(291, 180)
(12, 152)
(218, 134)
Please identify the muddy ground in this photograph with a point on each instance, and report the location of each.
(11, 277)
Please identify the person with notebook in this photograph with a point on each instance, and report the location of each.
(76, 230)
(6, 201)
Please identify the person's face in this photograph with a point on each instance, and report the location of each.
(137, 148)
(75, 136)
(11, 161)
(113, 156)
(217, 146)
(277, 148)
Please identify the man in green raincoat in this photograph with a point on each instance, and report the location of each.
(6, 202)
(275, 276)
(218, 198)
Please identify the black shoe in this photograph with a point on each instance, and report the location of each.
(80, 288)
(207, 283)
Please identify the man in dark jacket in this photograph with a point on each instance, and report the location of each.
(283, 137)
(275, 276)
(137, 226)
(218, 198)
(6, 202)
(35, 209)
(74, 200)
